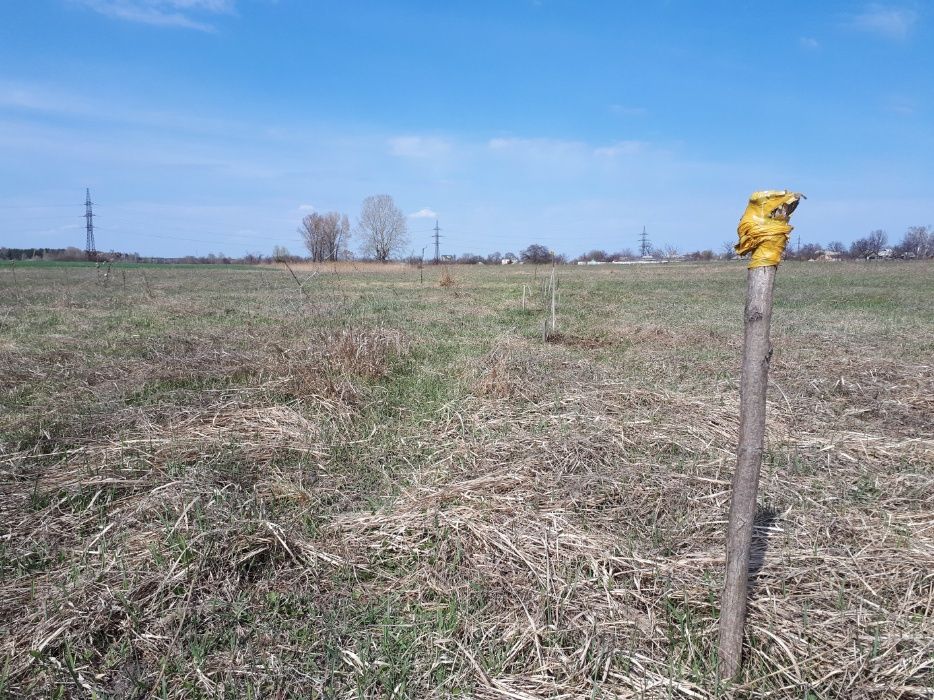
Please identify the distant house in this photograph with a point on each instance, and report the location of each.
(882, 254)
(828, 255)
(508, 261)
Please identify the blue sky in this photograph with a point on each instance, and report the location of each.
(214, 125)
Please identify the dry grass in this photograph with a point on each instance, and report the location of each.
(349, 267)
(419, 498)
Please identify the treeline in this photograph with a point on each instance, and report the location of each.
(326, 237)
(70, 254)
(73, 254)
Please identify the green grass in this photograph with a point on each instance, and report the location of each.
(215, 485)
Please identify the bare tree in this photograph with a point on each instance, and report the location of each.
(670, 251)
(870, 245)
(280, 253)
(325, 235)
(595, 255)
(917, 241)
(807, 251)
(382, 227)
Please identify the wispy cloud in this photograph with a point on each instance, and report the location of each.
(886, 21)
(185, 14)
(419, 146)
(620, 148)
(306, 208)
(628, 111)
(901, 106)
(535, 147)
(424, 213)
(809, 42)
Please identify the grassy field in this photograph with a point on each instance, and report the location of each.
(215, 484)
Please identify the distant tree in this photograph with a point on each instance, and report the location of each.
(382, 227)
(624, 254)
(870, 245)
(670, 251)
(918, 240)
(325, 235)
(71, 253)
(727, 251)
(536, 254)
(281, 254)
(470, 259)
(596, 256)
(494, 258)
(808, 251)
(836, 247)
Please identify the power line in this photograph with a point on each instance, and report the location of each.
(89, 226)
(437, 230)
(645, 248)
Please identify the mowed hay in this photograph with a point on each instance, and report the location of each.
(584, 564)
(135, 517)
(369, 507)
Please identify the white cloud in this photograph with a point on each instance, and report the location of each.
(424, 213)
(809, 42)
(884, 21)
(186, 14)
(419, 146)
(901, 105)
(626, 111)
(563, 153)
(306, 207)
(620, 148)
(536, 147)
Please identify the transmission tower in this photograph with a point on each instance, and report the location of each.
(645, 248)
(437, 237)
(89, 248)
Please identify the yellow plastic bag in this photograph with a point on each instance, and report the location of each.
(764, 228)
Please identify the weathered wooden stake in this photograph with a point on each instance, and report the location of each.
(763, 232)
(554, 321)
(757, 351)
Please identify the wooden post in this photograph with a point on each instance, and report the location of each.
(554, 321)
(755, 377)
(763, 233)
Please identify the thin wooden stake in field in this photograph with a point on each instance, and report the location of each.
(554, 291)
(550, 322)
(763, 232)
